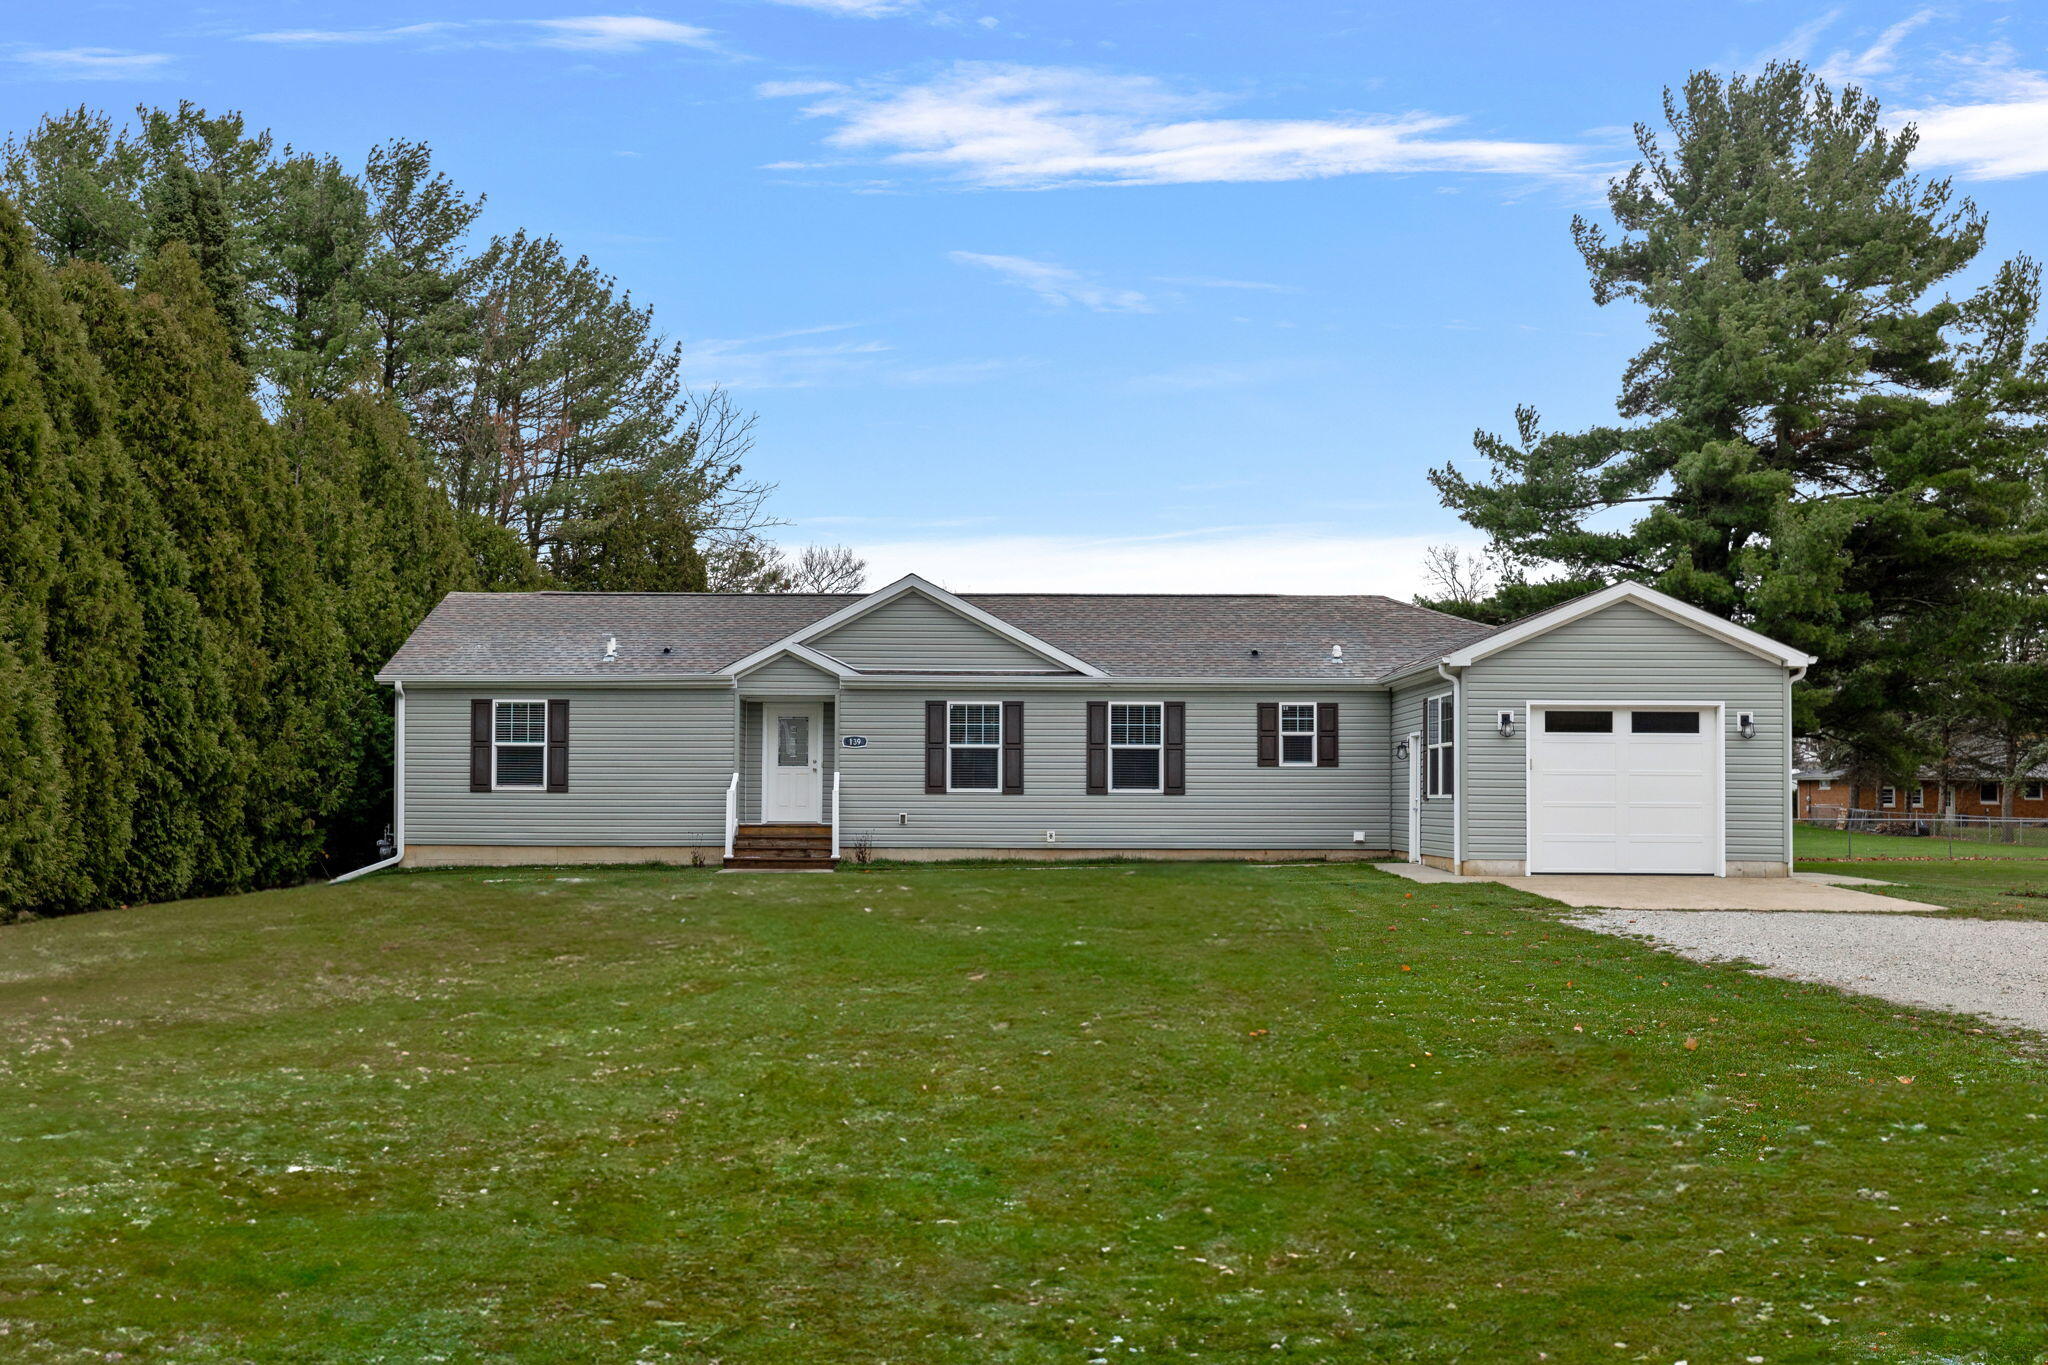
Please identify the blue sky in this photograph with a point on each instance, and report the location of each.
(1109, 294)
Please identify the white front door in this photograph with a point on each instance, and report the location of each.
(792, 762)
(1624, 789)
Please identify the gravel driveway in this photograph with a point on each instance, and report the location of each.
(1994, 968)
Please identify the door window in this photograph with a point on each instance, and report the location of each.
(792, 741)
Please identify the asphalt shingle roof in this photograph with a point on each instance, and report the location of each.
(562, 634)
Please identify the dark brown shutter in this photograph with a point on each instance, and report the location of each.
(935, 748)
(558, 745)
(1176, 754)
(1098, 748)
(1269, 734)
(1326, 734)
(1013, 748)
(480, 744)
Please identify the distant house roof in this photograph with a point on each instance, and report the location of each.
(563, 635)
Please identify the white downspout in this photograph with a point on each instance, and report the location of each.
(397, 793)
(1791, 782)
(1457, 682)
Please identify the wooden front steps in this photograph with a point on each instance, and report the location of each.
(783, 848)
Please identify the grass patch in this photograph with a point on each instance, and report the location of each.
(945, 1114)
(1819, 844)
(1978, 889)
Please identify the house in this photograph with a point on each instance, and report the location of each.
(1975, 787)
(1622, 732)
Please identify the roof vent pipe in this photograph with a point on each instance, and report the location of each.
(611, 649)
(1336, 651)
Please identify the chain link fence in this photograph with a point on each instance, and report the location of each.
(1921, 834)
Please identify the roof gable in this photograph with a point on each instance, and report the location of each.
(1662, 604)
(910, 626)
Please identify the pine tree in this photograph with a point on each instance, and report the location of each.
(1821, 447)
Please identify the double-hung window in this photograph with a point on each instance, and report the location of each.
(519, 746)
(1137, 741)
(1888, 797)
(1440, 745)
(1987, 793)
(1297, 734)
(1916, 796)
(2031, 792)
(974, 746)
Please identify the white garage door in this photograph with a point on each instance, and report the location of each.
(1624, 789)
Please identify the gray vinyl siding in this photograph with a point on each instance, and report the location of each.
(750, 760)
(1231, 802)
(914, 633)
(1438, 817)
(647, 766)
(1625, 653)
(788, 677)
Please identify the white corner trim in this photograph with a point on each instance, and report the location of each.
(912, 583)
(1648, 598)
(803, 654)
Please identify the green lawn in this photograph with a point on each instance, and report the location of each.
(1822, 844)
(1980, 881)
(988, 1114)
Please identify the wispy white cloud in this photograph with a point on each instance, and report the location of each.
(620, 33)
(584, 33)
(1220, 559)
(1879, 59)
(823, 356)
(316, 37)
(1016, 127)
(1056, 284)
(855, 9)
(1998, 131)
(91, 63)
(1212, 282)
(795, 89)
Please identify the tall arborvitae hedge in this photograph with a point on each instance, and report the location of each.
(192, 597)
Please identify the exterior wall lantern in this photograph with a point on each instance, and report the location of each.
(1506, 725)
(1400, 751)
(1745, 724)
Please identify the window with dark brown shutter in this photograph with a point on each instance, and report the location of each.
(558, 744)
(1176, 748)
(480, 744)
(935, 748)
(1326, 734)
(1269, 734)
(1098, 748)
(1013, 748)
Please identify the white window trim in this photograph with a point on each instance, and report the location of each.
(1888, 797)
(1315, 715)
(2030, 791)
(1916, 799)
(1997, 793)
(1110, 746)
(997, 746)
(1449, 745)
(542, 703)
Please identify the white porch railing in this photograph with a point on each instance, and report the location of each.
(835, 812)
(732, 812)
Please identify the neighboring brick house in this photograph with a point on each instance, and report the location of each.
(1823, 791)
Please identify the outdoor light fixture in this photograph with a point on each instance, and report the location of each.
(1745, 724)
(1507, 725)
(1400, 751)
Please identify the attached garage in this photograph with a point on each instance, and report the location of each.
(1625, 788)
(1624, 732)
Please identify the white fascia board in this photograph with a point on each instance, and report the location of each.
(1685, 614)
(1103, 682)
(803, 653)
(701, 680)
(912, 583)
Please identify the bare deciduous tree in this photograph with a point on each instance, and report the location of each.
(1459, 576)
